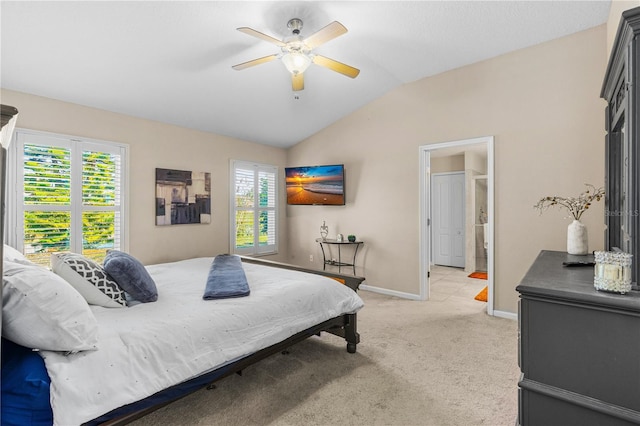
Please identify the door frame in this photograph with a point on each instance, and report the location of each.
(424, 250)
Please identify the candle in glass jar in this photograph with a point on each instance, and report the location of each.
(612, 271)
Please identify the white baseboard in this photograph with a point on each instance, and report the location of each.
(387, 292)
(505, 314)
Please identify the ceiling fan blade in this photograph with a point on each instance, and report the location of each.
(254, 62)
(297, 82)
(336, 66)
(325, 34)
(261, 36)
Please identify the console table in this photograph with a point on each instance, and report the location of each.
(339, 263)
(579, 348)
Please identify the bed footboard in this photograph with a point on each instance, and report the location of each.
(348, 330)
(351, 281)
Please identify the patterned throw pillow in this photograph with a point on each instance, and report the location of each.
(89, 278)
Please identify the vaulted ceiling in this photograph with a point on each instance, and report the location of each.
(170, 61)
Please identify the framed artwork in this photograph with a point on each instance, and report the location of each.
(182, 197)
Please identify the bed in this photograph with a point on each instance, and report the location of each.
(149, 354)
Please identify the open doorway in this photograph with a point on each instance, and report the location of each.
(474, 159)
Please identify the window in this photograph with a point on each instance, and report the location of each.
(253, 208)
(69, 196)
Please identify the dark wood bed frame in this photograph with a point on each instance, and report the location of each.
(344, 326)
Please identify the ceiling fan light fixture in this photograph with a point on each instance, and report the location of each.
(296, 62)
(297, 52)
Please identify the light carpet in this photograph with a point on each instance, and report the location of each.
(438, 362)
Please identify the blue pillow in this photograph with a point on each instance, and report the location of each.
(131, 276)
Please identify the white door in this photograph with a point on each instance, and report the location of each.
(447, 205)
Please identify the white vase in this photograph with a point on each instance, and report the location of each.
(577, 240)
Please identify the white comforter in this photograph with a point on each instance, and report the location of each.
(148, 347)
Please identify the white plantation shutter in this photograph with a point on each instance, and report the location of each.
(267, 208)
(69, 195)
(101, 199)
(47, 198)
(243, 230)
(253, 208)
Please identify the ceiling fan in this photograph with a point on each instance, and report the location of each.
(297, 53)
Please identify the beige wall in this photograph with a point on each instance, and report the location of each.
(542, 105)
(151, 145)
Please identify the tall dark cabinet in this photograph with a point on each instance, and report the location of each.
(579, 349)
(621, 90)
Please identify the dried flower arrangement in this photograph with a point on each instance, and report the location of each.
(575, 205)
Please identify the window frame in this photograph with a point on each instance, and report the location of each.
(256, 249)
(76, 145)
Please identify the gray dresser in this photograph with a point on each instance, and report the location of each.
(579, 348)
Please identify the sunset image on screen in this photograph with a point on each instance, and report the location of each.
(315, 185)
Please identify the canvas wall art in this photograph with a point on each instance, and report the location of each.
(182, 197)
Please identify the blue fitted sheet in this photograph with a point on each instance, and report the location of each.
(25, 387)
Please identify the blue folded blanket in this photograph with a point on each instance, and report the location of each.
(226, 278)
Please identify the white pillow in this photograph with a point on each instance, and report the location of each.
(12, 255)
(89, 278)
(40, 310)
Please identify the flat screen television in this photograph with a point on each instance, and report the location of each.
(315, 185)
